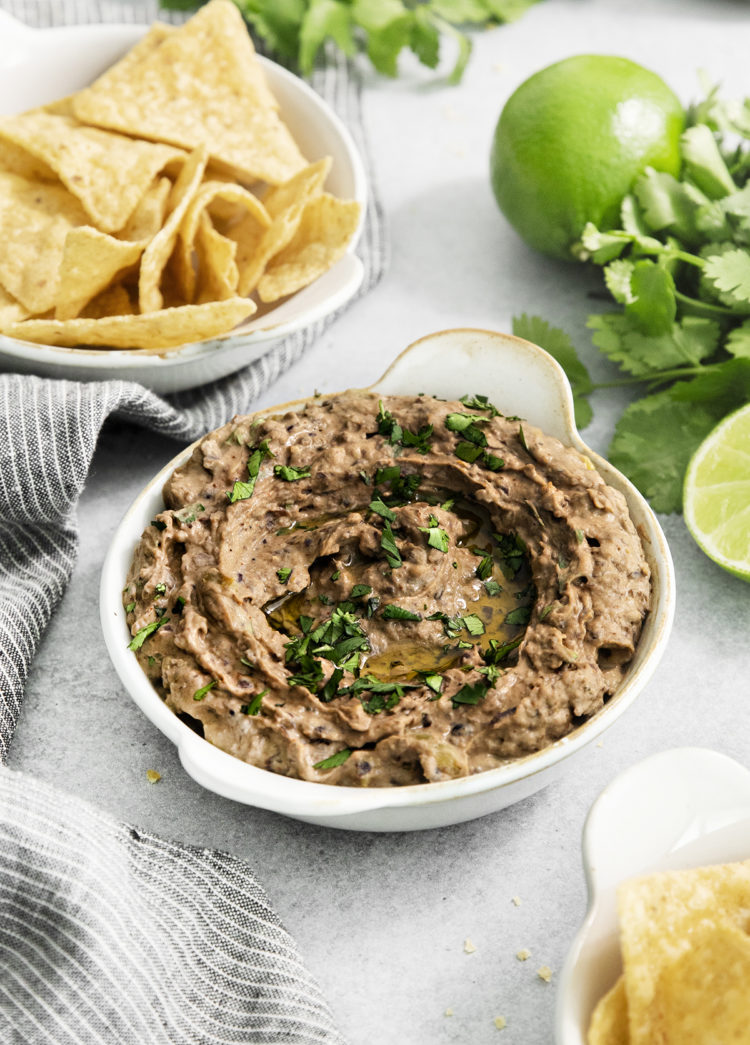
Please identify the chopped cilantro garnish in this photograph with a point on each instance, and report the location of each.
(393, 612)
(432, 681)
(467, 425)
(512, 552)
(188, 515)
(477, 402)
(200, 693)
(289, 474)
(491, 672)
(387, 475)
(284, 573)
(143, 633)
(468, 452)
(159, 524)
(436, 538)
(522, 437)
(492, 587)
(497, 651)
(365, 477)
(419, 440)
(244, 489)
(334, 760)
(388, 544)
(580, 536)
(547, 610)
(179, 605)
(130, 607)
(325, 599)
(159, 589)
(491, 461)
(521, 615)
(372, 605)
(330, 690)
(387, 425)
(473, 624)
(380, 508)
(469, 694)
(484, 569)
(335, 575)
(360, 590)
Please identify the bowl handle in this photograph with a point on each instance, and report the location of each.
(472, 360)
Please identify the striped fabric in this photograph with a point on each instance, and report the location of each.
(108, 934)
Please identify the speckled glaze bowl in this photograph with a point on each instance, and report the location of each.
(688, 807)
(39, 65)
(519, 378)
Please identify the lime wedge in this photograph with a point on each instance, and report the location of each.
(717, 494)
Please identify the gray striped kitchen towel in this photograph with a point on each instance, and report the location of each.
(107, 933)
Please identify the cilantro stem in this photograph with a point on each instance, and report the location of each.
(657, 377)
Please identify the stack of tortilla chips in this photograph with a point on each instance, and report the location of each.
(144, 211)
(686, 958)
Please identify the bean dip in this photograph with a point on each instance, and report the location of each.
(377, 592)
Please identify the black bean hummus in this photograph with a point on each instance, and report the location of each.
(378, 592)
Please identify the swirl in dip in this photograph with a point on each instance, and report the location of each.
(377, 592)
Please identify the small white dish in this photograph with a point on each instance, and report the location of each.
(689, 807)
(519, 378)
(39, 65)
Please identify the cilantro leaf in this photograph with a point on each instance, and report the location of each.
(200, 693)
(289, 474)
(644, 446)
(437, 538)
(390, 549)
(333, 760)
(730, 274)
(380, 508)
(284, 573)
(469, 694)
(143, 633)
(393, 612)
(686, 344)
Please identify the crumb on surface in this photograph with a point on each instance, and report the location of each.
(544, 973)
(600, 744)
(449, 1012)
(469, 947)
(499, 1022)
(516, 900)
(152, 776)
(523, 954)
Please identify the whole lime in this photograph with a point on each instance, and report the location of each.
(572, 139)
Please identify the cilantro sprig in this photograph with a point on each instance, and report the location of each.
(678, 271)
(382, 28)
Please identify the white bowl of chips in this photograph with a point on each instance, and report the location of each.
(148, 233)
(670, 840)
(519, 378)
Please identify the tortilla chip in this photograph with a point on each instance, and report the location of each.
(114, 301)
(148, 217)
(35, 219)
(90, 262)
(19, 161)
(285, 205)
(609, 1023)
(660, 916)
(156, 255)
(217, 268)
(201, 84)
(11, 311)
(167, 328)
(704, 996)
(230, 200)
(107, 172)
(321, 239)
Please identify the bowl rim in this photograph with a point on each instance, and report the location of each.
(338, 800)
(681, 807)
(115, 360)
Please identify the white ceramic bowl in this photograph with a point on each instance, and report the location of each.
(39, 65)
(520, 379)
(688, 807)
